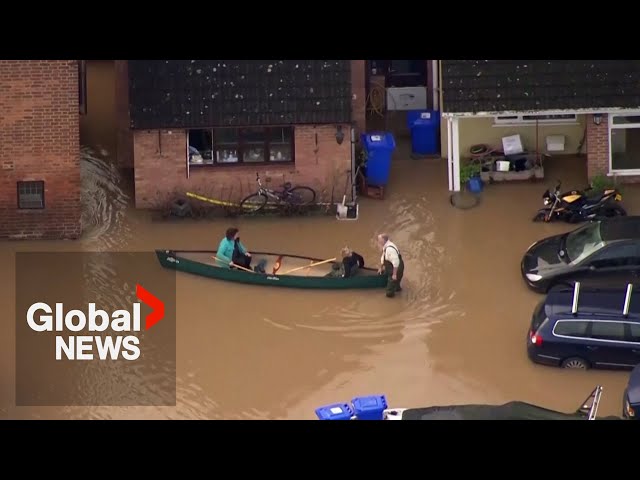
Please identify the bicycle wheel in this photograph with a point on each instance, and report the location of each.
(253, 203)
(301, 196)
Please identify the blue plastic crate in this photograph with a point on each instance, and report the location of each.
(371, 407)
(336, 411)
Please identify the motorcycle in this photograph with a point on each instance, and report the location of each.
(578, 206)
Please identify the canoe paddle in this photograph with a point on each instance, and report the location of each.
(237, 266)
(309, 266)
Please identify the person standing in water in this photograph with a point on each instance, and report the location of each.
(391, 264)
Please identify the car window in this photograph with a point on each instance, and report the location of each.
(635, 332)
(616, 255)
(571, 328)
(608, 331)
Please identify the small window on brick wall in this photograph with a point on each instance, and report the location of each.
(31, 195)
(225, 146)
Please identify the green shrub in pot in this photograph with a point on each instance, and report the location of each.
(469, 171)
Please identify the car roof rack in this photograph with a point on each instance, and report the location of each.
(627, 300)
(576, 296)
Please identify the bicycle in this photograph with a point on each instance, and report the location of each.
(292, 196)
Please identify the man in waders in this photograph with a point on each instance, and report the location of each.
(391, 264)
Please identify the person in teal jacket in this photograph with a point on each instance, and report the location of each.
(231, 251)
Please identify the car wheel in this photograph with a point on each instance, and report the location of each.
(575, 363)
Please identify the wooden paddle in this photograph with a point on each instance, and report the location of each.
(237, 266)
(309, 266)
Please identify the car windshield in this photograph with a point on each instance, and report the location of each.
(583, 242)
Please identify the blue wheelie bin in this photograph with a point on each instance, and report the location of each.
(424, 126)
(379, 146)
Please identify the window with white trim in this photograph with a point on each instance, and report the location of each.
(624, 143)
(530, 119)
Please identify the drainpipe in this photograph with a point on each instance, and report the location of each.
(353, 164)
(435, 77)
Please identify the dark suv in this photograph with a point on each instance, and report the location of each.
(586, 327)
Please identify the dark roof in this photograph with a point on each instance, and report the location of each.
(210, 93)
(535, 85)
(621, 228)
(593, 300)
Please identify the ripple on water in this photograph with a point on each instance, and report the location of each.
(104, 203)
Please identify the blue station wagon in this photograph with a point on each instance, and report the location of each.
(586, 328)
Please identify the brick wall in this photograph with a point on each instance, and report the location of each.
(39, 140)
(160, 160)
(597, 147)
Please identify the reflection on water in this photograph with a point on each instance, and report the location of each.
(104, 203)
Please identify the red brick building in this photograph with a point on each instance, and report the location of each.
(39, 149)
(207, 126)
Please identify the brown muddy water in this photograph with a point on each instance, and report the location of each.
(456, 334)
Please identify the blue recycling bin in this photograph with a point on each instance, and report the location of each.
(425, 129)
(379, 147)
(371, 407)
(335, 411)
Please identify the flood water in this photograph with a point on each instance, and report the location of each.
(456, 334)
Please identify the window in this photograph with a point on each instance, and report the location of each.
(613, 331)
(223, 146)
(616, 256)
(561, 119)
(31, 195)
(82, 86)
(624, 143)
(634, 329)
(571, 328)
(407, 73)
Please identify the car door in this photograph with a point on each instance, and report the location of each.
(633, 336)
(608, 346)
(615, 265)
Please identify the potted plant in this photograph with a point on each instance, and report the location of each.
(600, 183)
(470, 177)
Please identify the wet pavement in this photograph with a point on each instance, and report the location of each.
(456, 334)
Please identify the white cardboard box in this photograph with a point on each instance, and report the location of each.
(512, 145)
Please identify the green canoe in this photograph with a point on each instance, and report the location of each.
(203, 263)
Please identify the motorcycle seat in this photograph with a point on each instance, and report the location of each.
(594, 198)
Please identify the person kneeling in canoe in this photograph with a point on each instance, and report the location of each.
(232, 251)
(351, 262)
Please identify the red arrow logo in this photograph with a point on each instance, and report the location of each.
(157, 306)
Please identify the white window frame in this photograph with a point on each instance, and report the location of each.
(612, 172)
(526, 119)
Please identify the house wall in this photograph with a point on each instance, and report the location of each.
(39, 140)
(598, 151)
(98, 125)
(597, 147)
(124, 134)
(161, 168)
(359, 95)
(480, 130)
